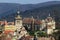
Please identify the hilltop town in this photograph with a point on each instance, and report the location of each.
(28, 28)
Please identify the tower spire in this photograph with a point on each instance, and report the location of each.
(18, 15)
(32, 17)
(32, 23)
(18, 12)
(49, 15)
(37, 17)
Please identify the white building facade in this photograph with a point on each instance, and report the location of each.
(48, 25)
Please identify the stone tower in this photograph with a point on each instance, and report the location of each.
(18, 20)
(50, 24)
(20, 30)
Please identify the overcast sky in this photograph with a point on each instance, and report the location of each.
(25, 1)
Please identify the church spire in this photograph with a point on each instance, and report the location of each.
(49, 15)
(32, 23)
(18, 16)
(33, 19)
(18, 12)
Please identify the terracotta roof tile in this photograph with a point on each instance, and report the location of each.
(30, 20)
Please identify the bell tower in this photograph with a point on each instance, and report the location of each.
(50, 23)
(18, 20)
(20, 30)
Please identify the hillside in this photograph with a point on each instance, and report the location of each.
(41, 10)
(10, 8)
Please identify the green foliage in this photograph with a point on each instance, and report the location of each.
(41, 33)
(32, 33)
(38, 33)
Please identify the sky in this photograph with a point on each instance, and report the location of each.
(25, 1)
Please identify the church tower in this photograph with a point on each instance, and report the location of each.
(20, 30)
(50, 23)
(18, 20)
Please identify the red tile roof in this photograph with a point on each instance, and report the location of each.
(30, 20)
(25, 20)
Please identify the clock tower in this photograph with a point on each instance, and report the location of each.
(18, 20)
(20, 30)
